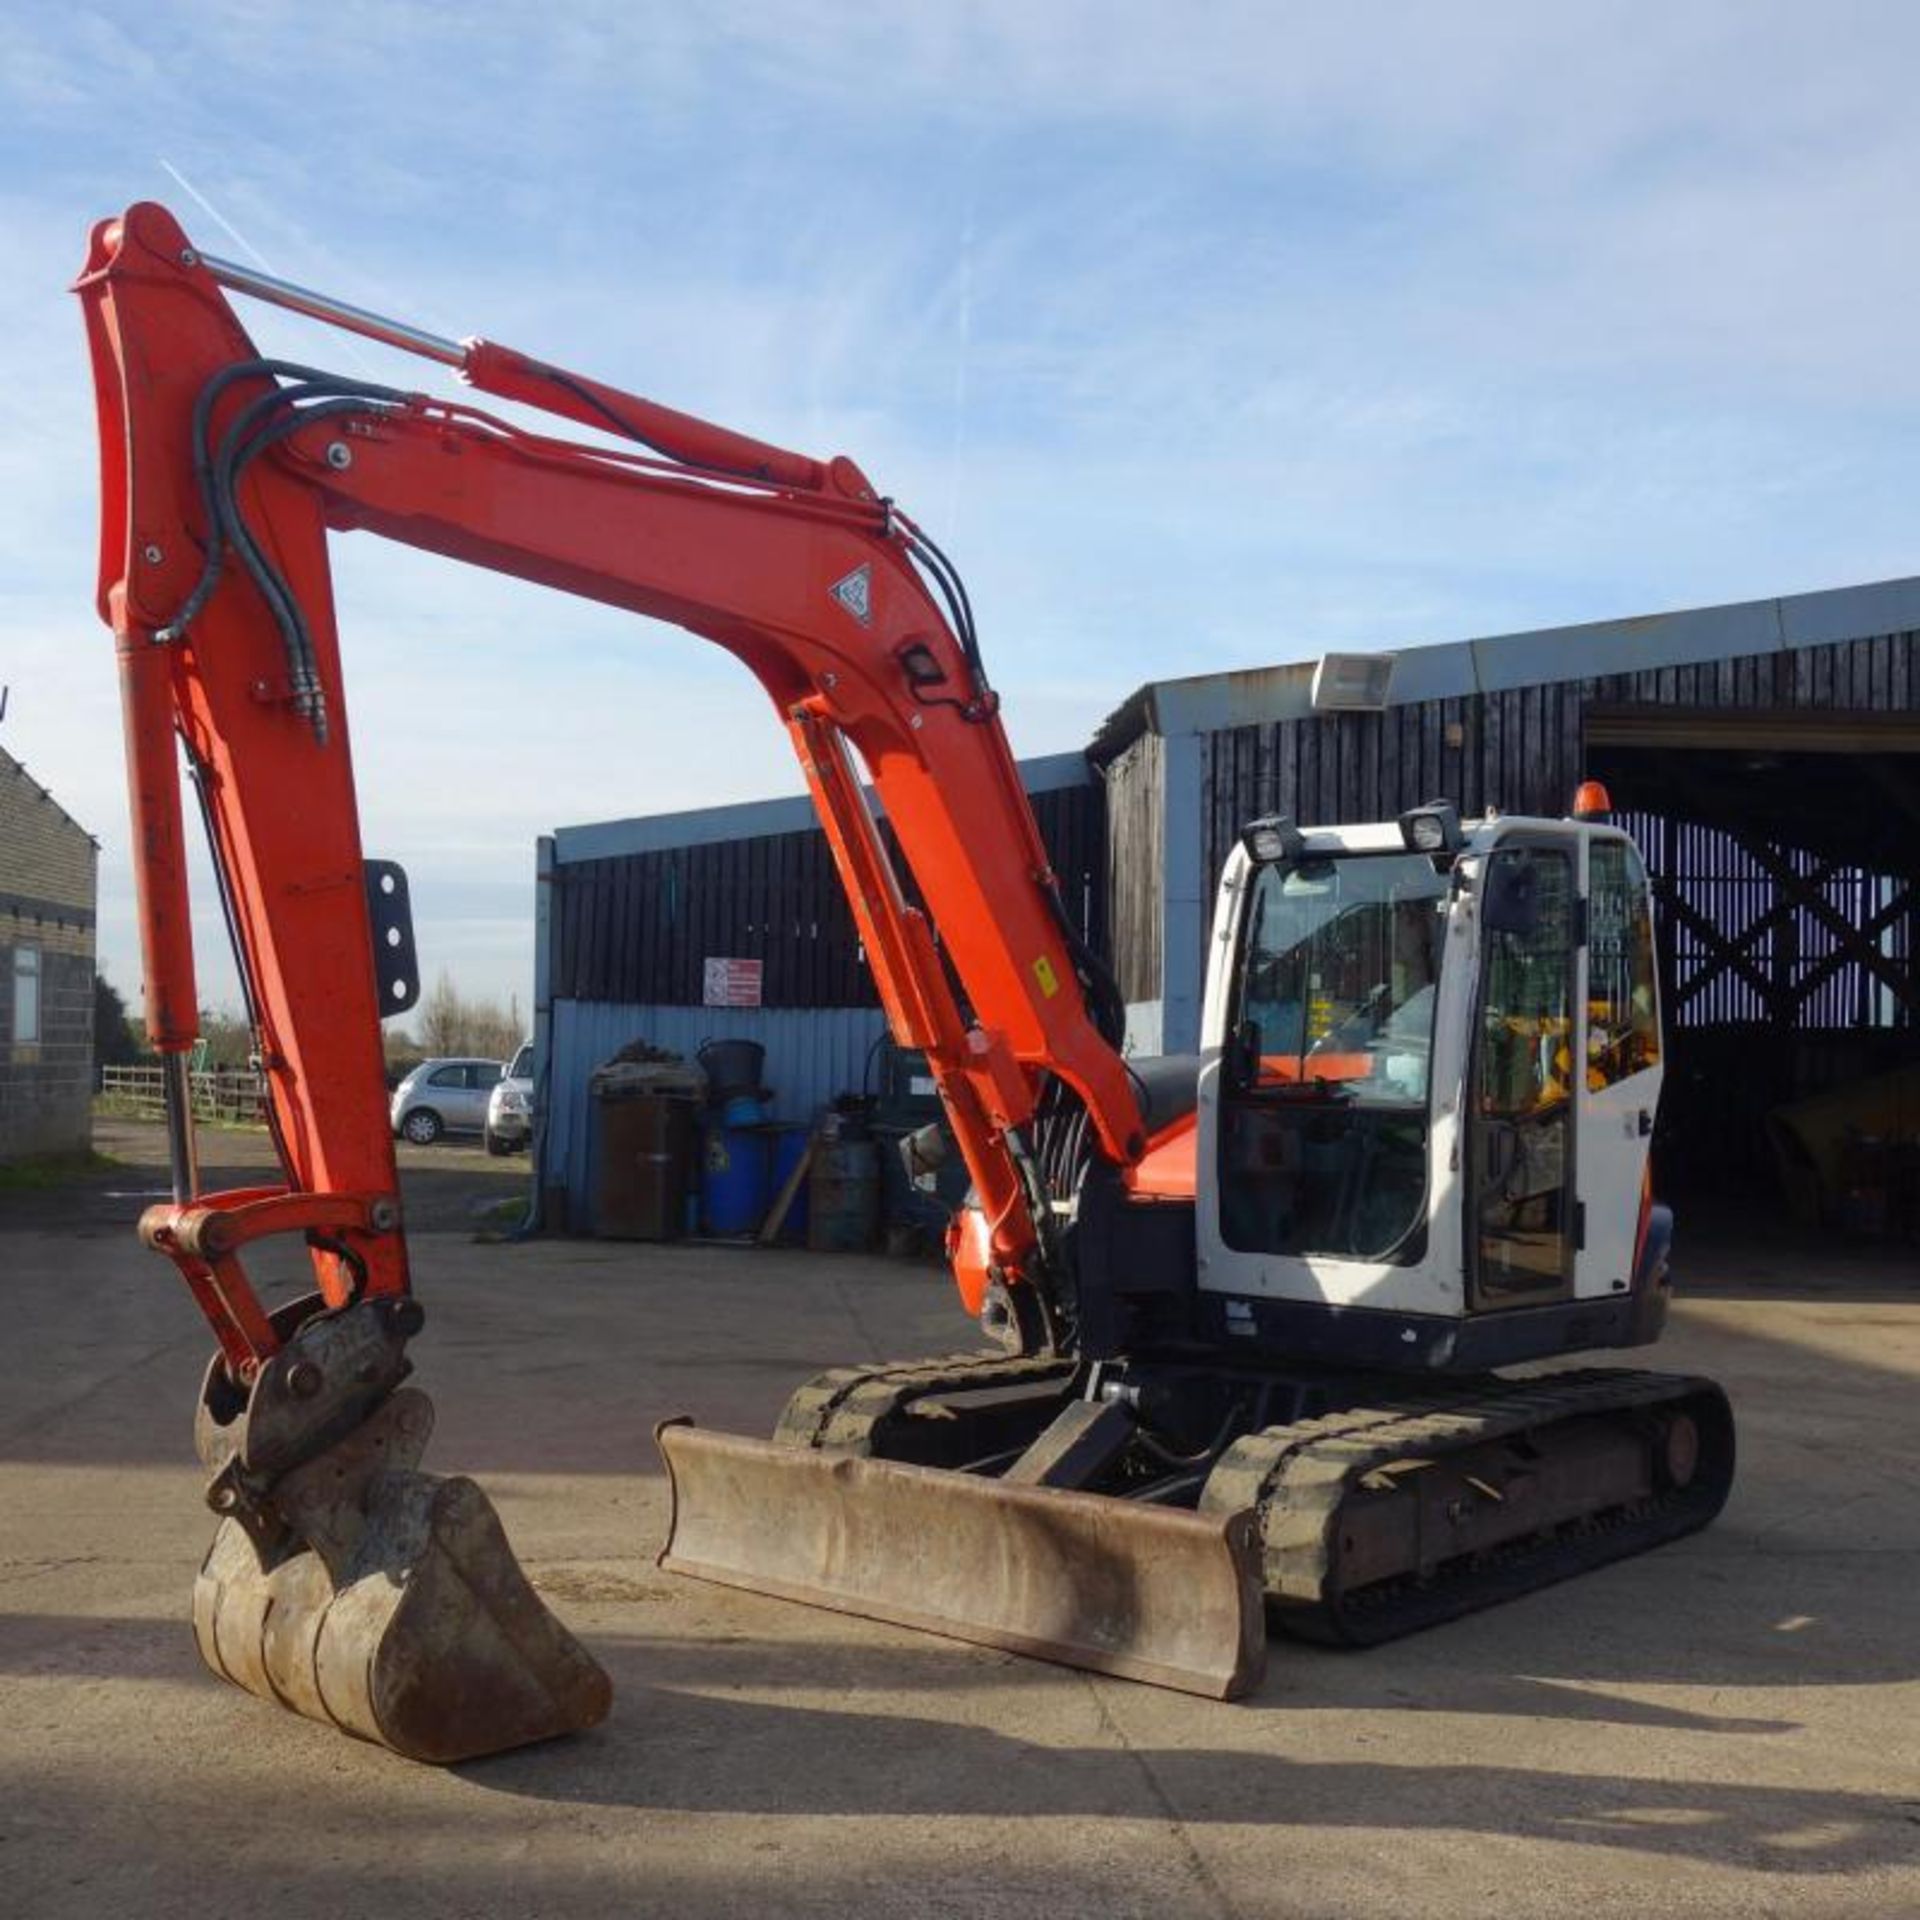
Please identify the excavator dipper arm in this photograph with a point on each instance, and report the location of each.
(343, 1581)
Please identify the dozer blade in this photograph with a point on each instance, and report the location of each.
(1118, 1586)
(397, 1610)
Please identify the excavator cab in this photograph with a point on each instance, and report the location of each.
(1429, 1112)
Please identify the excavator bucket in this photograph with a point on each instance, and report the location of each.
(1117, 1586)
(394, 1608)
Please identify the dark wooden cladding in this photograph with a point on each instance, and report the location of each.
(1135, 813)
(1521, 749)
(1757, 930)
(638, 928)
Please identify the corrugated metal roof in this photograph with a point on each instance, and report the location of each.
(1207, 703)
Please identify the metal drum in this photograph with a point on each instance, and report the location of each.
(844, 1196)
(731, 1066)
(789, 1143)
(734, 1173)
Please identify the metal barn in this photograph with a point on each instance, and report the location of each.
(1767, 756)
(632, 913)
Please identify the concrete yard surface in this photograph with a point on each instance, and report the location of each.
(1729, 1726)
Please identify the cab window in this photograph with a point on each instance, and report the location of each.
(1526, 1010)
(1623, 1014)
(1523, 1080)
(1338, 975)
(1323, 1136)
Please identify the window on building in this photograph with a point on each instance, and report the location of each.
(26, 996)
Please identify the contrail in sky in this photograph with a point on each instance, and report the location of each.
(956, 456)
(219, 219)
(246, 246)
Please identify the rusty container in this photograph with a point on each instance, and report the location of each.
(644, 1166)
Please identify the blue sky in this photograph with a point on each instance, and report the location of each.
(1201, 336)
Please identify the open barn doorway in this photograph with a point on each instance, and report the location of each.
(1785, 850)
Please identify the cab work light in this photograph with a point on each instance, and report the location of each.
(1434, 828)
(1271, 839)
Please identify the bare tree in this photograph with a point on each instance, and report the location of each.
(439, 1018)
(449, 1022)
(226, 1041)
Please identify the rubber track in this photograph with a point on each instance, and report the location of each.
(1297, 1478)
(840, 1411)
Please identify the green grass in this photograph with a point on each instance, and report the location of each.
(45, 1171)
(106, 1107)
(498, 1221)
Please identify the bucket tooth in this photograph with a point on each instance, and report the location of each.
(395, 1611)
(1116, 1586)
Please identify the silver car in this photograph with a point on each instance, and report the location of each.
(443, 1096)
(510, 1105)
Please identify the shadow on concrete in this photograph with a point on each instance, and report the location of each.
(676, 1744)
(137, 1648)
(677, 1752)
(1722, 1250)
(233, 1842)
(1301, 1679)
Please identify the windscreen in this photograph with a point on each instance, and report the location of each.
(1339, 969)
(1323, 1136)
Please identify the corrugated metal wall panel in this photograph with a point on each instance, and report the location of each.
(812, 1054)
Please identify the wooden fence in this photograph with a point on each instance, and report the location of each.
(220, 1094)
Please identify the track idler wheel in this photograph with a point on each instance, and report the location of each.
(1679, 1458)
(392, 1607)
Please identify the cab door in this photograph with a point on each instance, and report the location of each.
(1619, 1092)
(1521, 1115)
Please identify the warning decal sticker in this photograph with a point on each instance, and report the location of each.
(854, 591)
